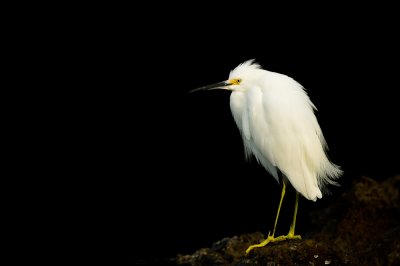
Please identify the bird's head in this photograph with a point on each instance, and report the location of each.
(240, 79)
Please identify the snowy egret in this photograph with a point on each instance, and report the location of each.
(276, 119)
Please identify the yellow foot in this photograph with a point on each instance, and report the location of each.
(272, 239)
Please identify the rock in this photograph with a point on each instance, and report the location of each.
(361, 228)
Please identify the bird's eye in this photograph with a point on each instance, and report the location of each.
(235, 81)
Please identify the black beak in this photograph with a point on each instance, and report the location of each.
(218, 85)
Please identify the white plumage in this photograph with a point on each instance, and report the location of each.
(276, 119)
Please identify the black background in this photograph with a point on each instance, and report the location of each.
(178, 157)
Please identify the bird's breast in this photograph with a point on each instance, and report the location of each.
(237, 103)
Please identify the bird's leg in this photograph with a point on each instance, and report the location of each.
(279, 207)
(271, 238)
(291, 234)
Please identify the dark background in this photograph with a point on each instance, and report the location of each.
(179, 158)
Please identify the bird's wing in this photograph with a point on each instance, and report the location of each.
(287, 135)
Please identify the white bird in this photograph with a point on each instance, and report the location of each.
(276, 119)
